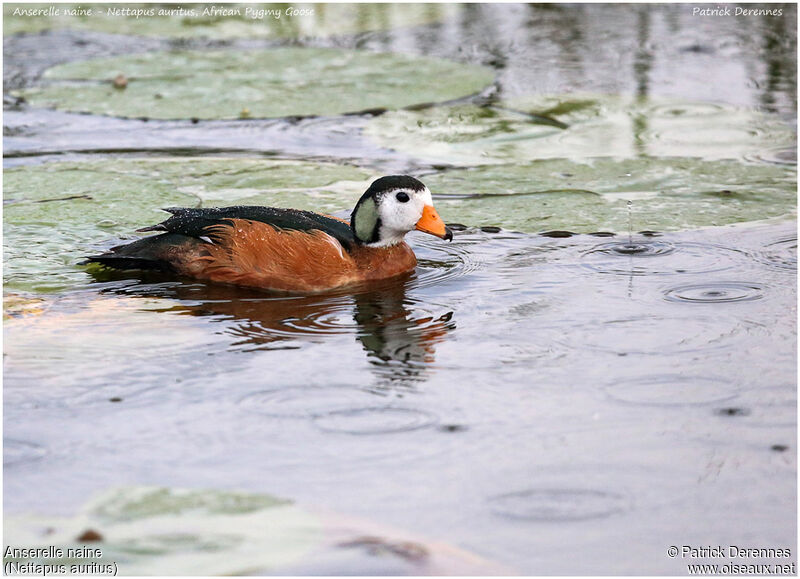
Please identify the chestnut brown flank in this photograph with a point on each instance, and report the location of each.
(252, 253)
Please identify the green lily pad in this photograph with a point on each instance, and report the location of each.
(593, 194)
(228, 21)
(144, 503)
(580, 126)
(168, 531)
(259, 84)
(57, 213)
(148, 530)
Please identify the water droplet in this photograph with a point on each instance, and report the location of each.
(732, 411)
(642, 249)
(630, 222)
(632, 248)
(452, 428)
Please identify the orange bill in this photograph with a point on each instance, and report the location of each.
(430, 222)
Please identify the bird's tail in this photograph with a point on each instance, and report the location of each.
(159, 253)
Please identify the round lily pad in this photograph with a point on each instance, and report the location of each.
(180, 531)
(593, 194)
(177, 531)
(259, 83)
(581, 126)
(223, 21)
(57, 213)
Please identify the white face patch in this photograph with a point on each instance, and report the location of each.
(398, 217)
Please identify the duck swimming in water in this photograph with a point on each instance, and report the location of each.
(289, 250)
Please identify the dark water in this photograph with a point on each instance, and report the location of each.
(559, 404)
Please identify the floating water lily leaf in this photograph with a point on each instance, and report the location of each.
(143, 503)
(169, 531)
(258, 84)
(593, 194)
(56, 213)
(53, 210)
(581, 126)
(228, 21)
(181, 531)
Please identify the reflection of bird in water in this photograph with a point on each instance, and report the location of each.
(288, 250)
(399, 344)
(398, 337)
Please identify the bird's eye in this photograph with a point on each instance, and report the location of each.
(402, 197)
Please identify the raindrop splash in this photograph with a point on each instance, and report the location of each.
(715, 293)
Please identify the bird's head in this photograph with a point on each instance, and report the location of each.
(393, 206)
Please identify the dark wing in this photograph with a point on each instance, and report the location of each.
(157, 252)
(193, 222)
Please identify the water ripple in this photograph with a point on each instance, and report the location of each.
(20, 452)
(780, 254)
(129, 395)
(375, 420)
(305, 402)
(559, 504)
(687, 109)
(339, 409)
(634, 334)
(274, 323)
(439, 263)
(672, 390)
(639, 249)
(699, 128)
(626, 258)
(715, 293)
(338, 320)
(777, 156)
